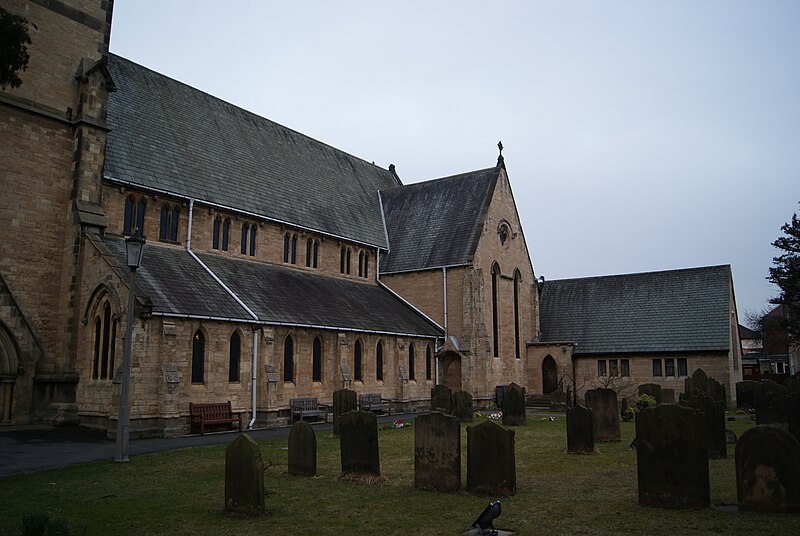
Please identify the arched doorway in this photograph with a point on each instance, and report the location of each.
(450, 370)
(549, 375)
(9, 364)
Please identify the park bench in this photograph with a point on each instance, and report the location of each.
(373, 402)
(306, 407)
(213, 413)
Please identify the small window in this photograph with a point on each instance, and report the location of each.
(357, 362)
(233, 362)
(309, 249)
(168, 226)
(601, 367)
(288, 359)
(613, 367)
(133, 219)
(215, 233)
(316, 361)
(366, 265)
(360, 264)
(428, 362)
(312, 253)
(290, 248)
(379, 361)
(286, 240)
(248, 237)
(683, 369)
(411, 371)
(347, 262)
(624, 367)
(315, 262)
(245, 233)
(342, 253)
(226, 228)
(253, 240)
(294, 249)
(657, 367)
(198, 357)
(669, 367)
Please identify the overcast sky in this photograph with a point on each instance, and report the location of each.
(639, 135)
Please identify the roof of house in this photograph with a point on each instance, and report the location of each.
(168, 136)
(685, 310)
(747, 333)
(436, 223)
(176, 284)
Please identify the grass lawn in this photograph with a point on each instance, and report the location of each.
(182, 492)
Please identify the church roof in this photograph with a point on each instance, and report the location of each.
(685, 310)
(436, 223)
(170, 137)
(178, 285)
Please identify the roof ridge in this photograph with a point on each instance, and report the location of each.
(651, 272)
(441, 179)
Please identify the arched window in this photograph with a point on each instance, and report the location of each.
(342, 254)
(133, 219)
(198, 357)
(168, 226)
(357, 362)
(347, 262)
(412, 375)
(517, 327)
(312, 252)
(253, 240)
(226, 229)
(315, 262)
(288, 359)
(243, 243)
(316, 361)
(235, 353)
(379, 361)
(248, 235)
(286, 247)
(98, 330)
(428, 360)
(360, 264)
(366, 265)
(105, 339)
(290, 248)
(215, 233)
(495, 327)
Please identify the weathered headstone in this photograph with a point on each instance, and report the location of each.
(514, 405)
(714, 415)
(437, 452)
(491, 465)
(358, 443)
(701, 382)
(580, 430)
(603, 403)
(771, 401)
(558, 400)
(344, 400)
(441, 398)
(302, 450)
(768, 470)
(667, 396)
(244, 477)
(651, 389)
(462, 406)
(746, 393)
(672, 457)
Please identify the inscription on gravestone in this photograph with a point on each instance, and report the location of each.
(768, 470)
(244, 477)
(462, 406)
(605, 415)
(514, 405)
(701, 382)
(580, 430)
(344, 400)
(358, 443)
(491, 466)
(302, 450)
(437, 452)
(672, 457)
(441, 398)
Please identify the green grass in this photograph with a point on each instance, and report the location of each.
(182, 492)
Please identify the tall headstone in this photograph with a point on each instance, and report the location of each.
(714, 415)
(771, 401)
(701, 382)
(344, 400)
(745, 394)
(244, 477)
(768, 470)
(580, 430)
(358, 443)
(437, 452)
(651, 389)
(672, 457)
(605, 414)
(667, 396)
(491, 466)
(462, 406)
(441, 398)
(302, 450)
(514, 405)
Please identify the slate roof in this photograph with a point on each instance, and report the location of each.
(177, 285)
(171, 137)
(436, 223)
(685, 310)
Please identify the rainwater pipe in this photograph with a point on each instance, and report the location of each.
(253, 365)
(444, 299)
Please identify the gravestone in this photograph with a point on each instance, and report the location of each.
(302, 450)
(491, 466)
(244, 477)
(746, 394)
(558, 400)
(771, 400)
(701, 382)
(768, 470)
(441, 398)
(605, 416)
(462, 406)
(793, 412)
(792, 384)
(580, 431)
(714, 415)
(358, 443)
(437, 452)
(667, 396)
(651, 389)
(344, 400)
(672, 457)
(514, 405)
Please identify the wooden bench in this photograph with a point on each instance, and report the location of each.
(213, 413)
(306, 407)
(373, 402)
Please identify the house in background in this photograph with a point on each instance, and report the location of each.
(766, 354)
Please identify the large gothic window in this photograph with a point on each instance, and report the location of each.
(105, 335)
(198, 357)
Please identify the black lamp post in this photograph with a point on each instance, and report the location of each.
(134, 247)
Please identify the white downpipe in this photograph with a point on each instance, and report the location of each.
(253, 384)
(444, 299)
(189, 226)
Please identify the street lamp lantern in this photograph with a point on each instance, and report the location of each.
(134, 248)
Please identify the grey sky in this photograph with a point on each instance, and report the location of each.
(638, 135)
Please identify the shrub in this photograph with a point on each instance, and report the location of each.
(645, 401)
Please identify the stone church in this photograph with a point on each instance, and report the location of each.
(275, 266)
